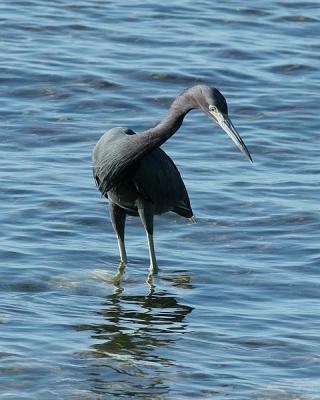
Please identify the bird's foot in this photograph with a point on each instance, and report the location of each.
(121, 268)
(153, 270)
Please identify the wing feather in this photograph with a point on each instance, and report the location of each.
(158, 180)
(154, 174)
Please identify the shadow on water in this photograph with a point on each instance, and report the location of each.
(132, 350)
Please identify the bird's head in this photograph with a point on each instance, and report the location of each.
(214, 104)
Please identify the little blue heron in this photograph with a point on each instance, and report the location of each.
(139, 178)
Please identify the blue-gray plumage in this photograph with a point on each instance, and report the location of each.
(139, 178)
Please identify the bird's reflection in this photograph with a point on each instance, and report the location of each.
(131, 351)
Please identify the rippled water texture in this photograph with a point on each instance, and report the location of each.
(234, 311)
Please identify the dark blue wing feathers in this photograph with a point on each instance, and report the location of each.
(154, 174)
(157, 179)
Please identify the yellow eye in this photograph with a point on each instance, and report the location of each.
(213, 108)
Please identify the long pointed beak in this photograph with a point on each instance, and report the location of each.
(225, 123)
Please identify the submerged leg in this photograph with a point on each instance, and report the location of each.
(117, 278)
(118, 219)
(146, 213)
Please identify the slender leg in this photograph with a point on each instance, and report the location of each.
(118, 219)
(146, 213)
(152, 254)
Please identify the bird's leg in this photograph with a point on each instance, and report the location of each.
(117, 278)
(152, 254)
(118, 218)
(146, 213)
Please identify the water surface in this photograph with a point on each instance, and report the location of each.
(234, 311)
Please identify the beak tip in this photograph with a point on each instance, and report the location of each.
(228, 127)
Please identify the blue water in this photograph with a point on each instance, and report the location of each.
(234, 310)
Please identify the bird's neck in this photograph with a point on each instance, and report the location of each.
(171, 123)
(147, 141)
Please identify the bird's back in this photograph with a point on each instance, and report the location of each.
(111, 158)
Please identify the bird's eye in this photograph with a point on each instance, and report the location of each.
(213, 108)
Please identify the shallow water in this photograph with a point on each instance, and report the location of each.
(234, 310)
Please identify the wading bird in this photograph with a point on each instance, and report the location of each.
(139, 178)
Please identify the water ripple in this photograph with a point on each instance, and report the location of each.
(233, 312)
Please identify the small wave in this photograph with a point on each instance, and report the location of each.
(254, 12)
(296, 18)
(291, 68)
(168, 77)
(96, 82)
